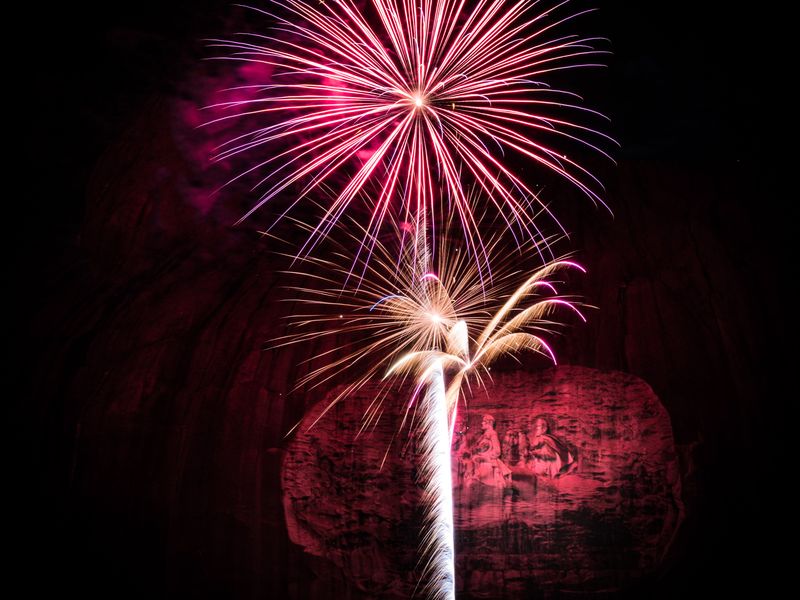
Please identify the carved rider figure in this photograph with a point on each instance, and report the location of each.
(547, 455)
(482, 463)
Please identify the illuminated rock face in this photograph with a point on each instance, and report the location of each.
(585, 494)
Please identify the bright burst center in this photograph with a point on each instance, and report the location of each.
(419, 101)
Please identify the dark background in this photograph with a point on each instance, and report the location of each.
(162, 491)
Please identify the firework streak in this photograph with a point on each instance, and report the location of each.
(416, 102)
(438, 547)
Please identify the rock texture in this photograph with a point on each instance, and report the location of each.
(602, 525)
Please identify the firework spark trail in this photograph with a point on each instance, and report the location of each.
(438, 547)
(414, 97)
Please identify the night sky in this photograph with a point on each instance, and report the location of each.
(691, 88)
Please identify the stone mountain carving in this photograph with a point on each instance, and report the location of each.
(567, 481)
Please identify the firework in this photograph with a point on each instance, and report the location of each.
(409, 100)
(506, 332)
(406, 301)
(426, 112)
(503, 334)
(414, 315)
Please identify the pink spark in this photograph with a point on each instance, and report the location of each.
(418, 105)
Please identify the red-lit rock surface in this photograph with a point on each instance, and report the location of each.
(604, 524)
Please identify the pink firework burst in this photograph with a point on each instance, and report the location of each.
(428, 106)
